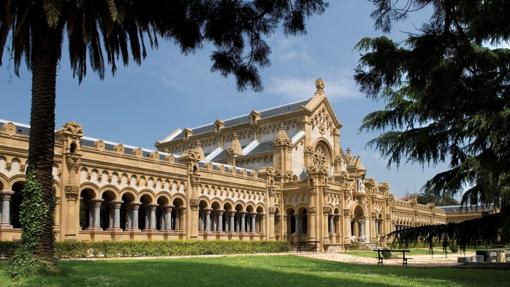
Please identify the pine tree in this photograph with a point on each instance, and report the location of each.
(447, 97)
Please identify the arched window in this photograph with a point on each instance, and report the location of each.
(15, 204)
(86, 209)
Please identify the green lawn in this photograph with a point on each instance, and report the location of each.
(256, 271)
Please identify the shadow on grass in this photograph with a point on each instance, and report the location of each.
(260, 271)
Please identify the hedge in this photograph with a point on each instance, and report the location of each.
(75, 249)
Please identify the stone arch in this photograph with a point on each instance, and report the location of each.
(3, 181)
(107, 209)
(147, 194)
(127, 209)
(88, 197)
(110, 188)
(94, 188)
(241, 204)
(163, 205)
(16, 178)
(146, 214)
(177, 221)
(358, 223)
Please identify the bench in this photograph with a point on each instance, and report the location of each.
(301, 245)
(380, 257)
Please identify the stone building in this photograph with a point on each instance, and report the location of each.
(275, 174)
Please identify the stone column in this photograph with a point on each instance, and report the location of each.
(152, 217)
(262, 225)
(297, 224)
(207, 219)
(253, 228)
(231, 227)
(97, 213)
(361, 228)
(331, 224)
(134, 216)
(325, 224)
(116, 214)
(6, 200)
(242, 219)
(168, 218)
(347, 226)
(312, 223)
(220, 220)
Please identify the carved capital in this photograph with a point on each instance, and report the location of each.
(312, 210)
(72, 192)
(193, 204)
(326, 210)
(195, 179)
(271, 210)
(347, 211)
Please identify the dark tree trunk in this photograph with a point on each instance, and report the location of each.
(45, 43)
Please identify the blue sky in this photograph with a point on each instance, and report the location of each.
(142, 104)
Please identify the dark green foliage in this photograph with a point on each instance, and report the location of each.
(33, 212)
(106, 33)
(73, 249)
(447, 97)
(484, 231)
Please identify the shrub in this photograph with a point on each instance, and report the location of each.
(75, 249)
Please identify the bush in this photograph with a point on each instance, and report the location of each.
(75, 249)
(454, 248)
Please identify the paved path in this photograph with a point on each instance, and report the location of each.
(417, 261)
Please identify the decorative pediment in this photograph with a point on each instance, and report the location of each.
(218, 125)
(254, 117)
(282, 139)
(8, 129)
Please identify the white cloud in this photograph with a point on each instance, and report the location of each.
(292, 49)
(304, 87)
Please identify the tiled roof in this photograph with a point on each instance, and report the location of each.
(244, 119)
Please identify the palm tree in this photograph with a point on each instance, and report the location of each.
(117, 30)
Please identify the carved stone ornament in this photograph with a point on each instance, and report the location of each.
(8, 129)
(347, 211)
(235, 148)
(138, 152)
(271, 210)
(282, 139)
(326, 210)
(195, 179)
(100, 146)
(319, 84)
(193, 203)
(313, 210)
(73, 128)
(72, 192)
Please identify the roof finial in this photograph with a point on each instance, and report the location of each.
(319, 84)
(282, 126)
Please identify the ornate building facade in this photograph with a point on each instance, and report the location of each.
(275, 174)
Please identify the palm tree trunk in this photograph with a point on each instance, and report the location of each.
(44, 58)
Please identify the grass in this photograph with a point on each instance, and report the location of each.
(255, 271)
